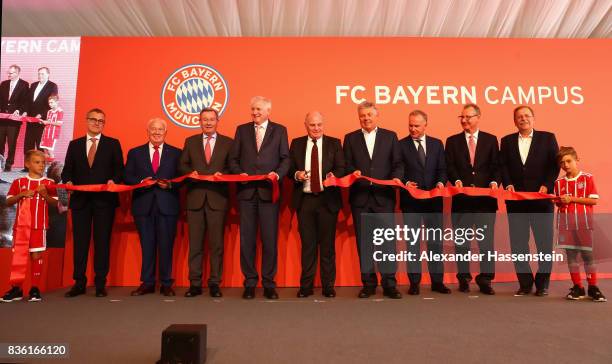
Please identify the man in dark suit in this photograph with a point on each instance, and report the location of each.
(38, 105)
(206, 153)
(156, 208)
(425, 168)
(13, 100)
(260, 147)
(472, 161)
(315, 157)
(374, 152)
(529, 163)
(92, 159)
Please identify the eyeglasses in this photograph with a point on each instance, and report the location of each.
(96, 121)
(466, 117)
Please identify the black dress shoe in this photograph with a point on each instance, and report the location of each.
(215, 291)
(75, 291)
(392, 293)
(487, 289)
(541, 292)
(522, 292)
(414, 290)
(329, 292)
(440, 288)
(249, 293)
(464, 286)
(101, 292)
(303, 293)
(366, 292)
(193, 291)
(270, 293)
(142, 290)
(167, 291)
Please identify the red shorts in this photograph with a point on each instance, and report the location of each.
(38, 240)
(575, 239)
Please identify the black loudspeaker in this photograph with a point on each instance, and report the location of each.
(183, 344)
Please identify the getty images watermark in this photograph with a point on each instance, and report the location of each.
(387, 239)
(458, 236)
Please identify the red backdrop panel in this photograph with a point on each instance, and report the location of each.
(125, 76)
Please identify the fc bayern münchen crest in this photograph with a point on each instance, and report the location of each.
(191, 88)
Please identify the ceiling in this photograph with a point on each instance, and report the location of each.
(259, 18)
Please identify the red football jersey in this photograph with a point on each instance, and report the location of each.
(575, 216)
(38, 205)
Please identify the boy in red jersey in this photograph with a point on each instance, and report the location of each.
(577, 196)
(29, 232)
(53, 125)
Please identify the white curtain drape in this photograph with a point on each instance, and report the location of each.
(419, 18)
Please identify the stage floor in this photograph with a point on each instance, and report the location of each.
(466, 328)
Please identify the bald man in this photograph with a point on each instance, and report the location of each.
(313, 158)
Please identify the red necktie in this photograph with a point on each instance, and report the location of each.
(315, 185)
(155, 161)
(207, 152)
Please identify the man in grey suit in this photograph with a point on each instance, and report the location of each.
(207, 202)
(260, 147)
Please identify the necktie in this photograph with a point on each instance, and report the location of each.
(472, 146)
(155, 160)
(421, 152)
(11, 88)
(315, 185)
(91, 154)
(207, 152)
(259, 136)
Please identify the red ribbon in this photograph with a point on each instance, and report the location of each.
(150, 182)
(21, 243)
(448, 191)
(27, 119)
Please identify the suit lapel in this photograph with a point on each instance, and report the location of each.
(479, 147)
(327, 157)
(532, 147)
(267, 135)
(429, 151)
(464, 148)
(302, 151)
(377, 141)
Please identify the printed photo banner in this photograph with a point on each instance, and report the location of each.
(26, 119)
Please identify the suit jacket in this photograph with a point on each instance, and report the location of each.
(138, 167)
(273, 156)
(192, 159)
(386, 163)
(40, 105)
(540, 169)
(426, 176)
(333, 161)
(107, 165)
(19, 97)
(484, 171)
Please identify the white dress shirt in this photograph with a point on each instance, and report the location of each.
(309, 145)
(370, 140)
(213, 139)
(467, 138)
(89, 143)
(12, 85)
(416, 144)
(38, 89)
(264, 125)
(152, 150)
(524, 143)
